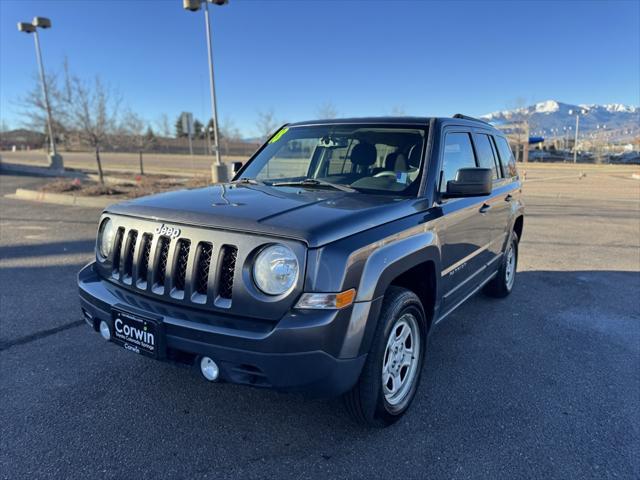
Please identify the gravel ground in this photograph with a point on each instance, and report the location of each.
(542, 384)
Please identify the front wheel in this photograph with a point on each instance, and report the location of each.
(391, 374)
(503, 282)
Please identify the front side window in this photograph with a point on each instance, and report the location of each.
(506, 157)
(458, 153)
(484, 151)
(365, 158)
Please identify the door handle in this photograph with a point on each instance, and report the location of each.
(508, 198)
(485, 208)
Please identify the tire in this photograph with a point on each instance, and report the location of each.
(502, 284)
(370, 403)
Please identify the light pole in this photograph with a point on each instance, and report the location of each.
(575, 141)
(55, 160)
(218, 170)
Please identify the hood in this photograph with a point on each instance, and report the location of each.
(314, 216)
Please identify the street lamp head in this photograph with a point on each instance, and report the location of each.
(219, 2)
(26, 27)
(41, 22)
(191, 5)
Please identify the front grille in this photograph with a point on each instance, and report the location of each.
(143, 266)
(182, 259)
(163, 266)
(132, 237)
(227, 269)
(203, 264)
(117, 247)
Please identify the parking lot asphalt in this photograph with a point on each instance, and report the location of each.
(543, 384)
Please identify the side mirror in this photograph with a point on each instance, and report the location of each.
(235, 167)
(470, 182)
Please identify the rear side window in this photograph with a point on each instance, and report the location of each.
(506, 157)
(484, 151)
(458, 153)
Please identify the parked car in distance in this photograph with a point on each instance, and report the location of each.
(323, 266)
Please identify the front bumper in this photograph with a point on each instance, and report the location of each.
(315, 352)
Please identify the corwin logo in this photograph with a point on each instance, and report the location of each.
(135, 333)
(169, 231)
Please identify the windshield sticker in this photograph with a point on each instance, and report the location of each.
(277, 136)
(402, 177)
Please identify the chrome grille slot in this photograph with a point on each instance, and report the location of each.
(143, 265)
(181, 262)
(160, 270)
(130, 247)
(117, 250)
(228, 256)
(201, 272)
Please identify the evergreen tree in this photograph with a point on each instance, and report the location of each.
(179, 131)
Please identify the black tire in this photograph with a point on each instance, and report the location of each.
(366, 402)
(501, 286)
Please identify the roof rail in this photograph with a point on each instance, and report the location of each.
(466, 117)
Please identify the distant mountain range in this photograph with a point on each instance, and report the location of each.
(621, 121)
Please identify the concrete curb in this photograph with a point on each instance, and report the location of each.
(40, 171)
(61, 198)
(48, 172)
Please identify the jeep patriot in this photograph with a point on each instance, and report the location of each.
(322, 266)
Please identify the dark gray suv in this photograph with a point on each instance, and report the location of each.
(323, 265)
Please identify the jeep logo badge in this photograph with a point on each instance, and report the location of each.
(169, 231)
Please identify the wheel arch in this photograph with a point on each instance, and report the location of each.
(518, 226)
(401, 263)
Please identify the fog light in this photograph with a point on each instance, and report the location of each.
(209, 369)
(105, 331)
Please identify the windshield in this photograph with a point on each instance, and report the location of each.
(363, 157)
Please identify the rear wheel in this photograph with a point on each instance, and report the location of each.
(503, 282)
(391, 374)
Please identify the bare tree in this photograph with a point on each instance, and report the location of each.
(162, 125)
(521, 117)
(94, 114)
(266, 123)
(327, 110)
(228, 133)
(34, 110)
(140, 133)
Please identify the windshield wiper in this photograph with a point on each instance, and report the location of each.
(250, 181)
(310, 182)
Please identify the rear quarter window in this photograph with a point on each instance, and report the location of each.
(507, 159)
(484, 151)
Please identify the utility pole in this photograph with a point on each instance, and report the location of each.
(55, 160)
(218, 169)
(575, 141)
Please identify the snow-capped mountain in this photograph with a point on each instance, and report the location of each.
(621, 120)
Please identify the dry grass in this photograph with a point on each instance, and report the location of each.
(139, 186)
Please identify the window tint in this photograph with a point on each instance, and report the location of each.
(458, 154)
(484, 151)
(506, 157)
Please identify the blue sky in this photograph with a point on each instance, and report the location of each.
(428, 58)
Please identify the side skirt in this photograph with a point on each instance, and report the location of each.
(469, 295)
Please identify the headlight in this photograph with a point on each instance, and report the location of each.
(105, 238)
(275, 270)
